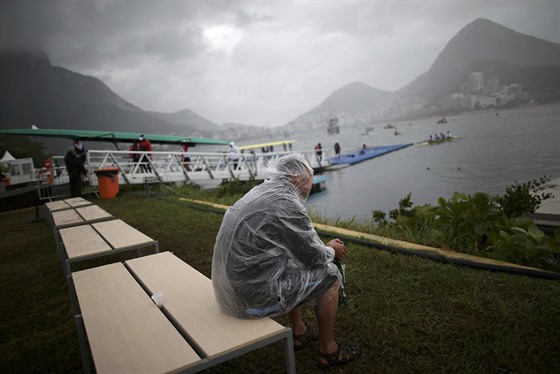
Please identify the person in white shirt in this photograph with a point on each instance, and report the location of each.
(234, 154)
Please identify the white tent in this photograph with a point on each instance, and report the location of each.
(7, 157)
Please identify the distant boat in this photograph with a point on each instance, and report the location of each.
(443, 120)
(333, 127)
(388, 126)
(367, 130)
(438, 141)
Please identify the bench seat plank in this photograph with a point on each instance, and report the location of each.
(53, 206)
(127, 332)
(93, 213)
(121, 235)
(67, 217)
(189, 299)
(83, 241)
(76, 202)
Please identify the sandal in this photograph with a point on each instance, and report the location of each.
(304, 339)
(343, 355)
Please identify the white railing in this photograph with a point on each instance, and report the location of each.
(167, 166)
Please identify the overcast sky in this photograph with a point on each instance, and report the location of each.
(255, 62)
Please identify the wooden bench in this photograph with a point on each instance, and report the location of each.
(62, 217)
(127, 332)
(79, 243)
(78, 216)
(74, 202)
(84, 231)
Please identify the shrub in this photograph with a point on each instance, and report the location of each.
(480, 223)
(523, 198)
(470, 219)
(523, 243)
(235, 187)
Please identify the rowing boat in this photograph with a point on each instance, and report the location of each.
(439, 141)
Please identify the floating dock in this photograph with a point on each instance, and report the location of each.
(366, 154)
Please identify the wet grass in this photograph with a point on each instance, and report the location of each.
(409, 314)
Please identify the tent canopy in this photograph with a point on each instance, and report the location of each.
(112, 136)
(7, 157)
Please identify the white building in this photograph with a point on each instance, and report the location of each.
(476, 82)
(493, 86)
(479, 101)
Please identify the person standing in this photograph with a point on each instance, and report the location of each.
(186, 157)
(144, 145)
(234, 154)
(57, 170)
(80, 150)
(133, 152)
(337, 149)
(364, 149)
(319, 151)
(49, 169)
(75, 169)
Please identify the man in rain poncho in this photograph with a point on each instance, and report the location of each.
(268, 260)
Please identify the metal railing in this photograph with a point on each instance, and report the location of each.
(135, 167)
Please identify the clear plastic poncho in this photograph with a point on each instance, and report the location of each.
(268, 258)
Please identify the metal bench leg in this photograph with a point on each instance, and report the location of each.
(290, 356)
(79, 321)
(84, 348)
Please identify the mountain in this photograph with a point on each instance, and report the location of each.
(187, 118)
(480, 40)
(481, 46)
(353, 97)
(354, 104)
(33, 92)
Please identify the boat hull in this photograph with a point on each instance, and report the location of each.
(439, 141)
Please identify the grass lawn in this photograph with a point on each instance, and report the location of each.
(409, 314)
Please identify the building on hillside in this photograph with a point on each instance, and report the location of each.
(515, 90)
(476, 83)
(493, 86)
(452, 102)
(480, 102)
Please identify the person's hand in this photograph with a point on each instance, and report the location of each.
(339, 249)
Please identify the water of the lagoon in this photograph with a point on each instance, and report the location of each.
(496, 149)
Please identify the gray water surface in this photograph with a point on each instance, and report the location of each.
(495, 149)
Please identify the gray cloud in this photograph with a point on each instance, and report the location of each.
(261, 63)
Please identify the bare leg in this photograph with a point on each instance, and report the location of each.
(325, 311)
(296, 320)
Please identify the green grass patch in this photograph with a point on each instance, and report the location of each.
(409, 314)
